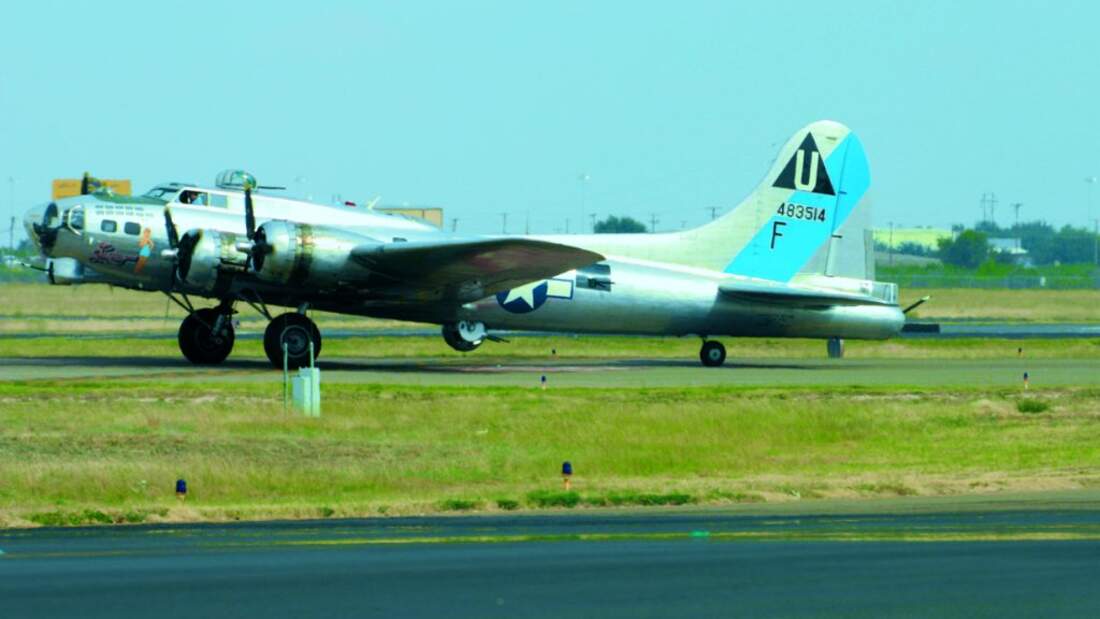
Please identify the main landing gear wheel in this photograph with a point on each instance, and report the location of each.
(198, 341)
(464, 335)
(295, 330)
(712, 354)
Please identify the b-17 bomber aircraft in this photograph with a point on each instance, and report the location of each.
(794, 259)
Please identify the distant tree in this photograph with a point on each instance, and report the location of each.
(913, 249)
(989, 228)
(969, 249)
(619, 225)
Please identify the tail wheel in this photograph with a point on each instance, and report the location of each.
(199, 342)
(296, 331)
(712, 354)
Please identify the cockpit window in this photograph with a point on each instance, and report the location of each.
(194, 197)
(161, 193)
(74, 218)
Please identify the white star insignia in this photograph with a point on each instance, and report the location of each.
(526, 292)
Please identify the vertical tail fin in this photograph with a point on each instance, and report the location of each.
(809, 214)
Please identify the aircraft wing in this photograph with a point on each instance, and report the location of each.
(469, 269)
(787, 294)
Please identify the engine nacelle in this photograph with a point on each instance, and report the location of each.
(299, 254)
(212, 255)
(69, 271)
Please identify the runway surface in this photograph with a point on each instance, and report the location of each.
(1005, 563)
(640, 373)
(945, 331)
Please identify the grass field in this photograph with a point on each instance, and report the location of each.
(88, 451)
(97, 429)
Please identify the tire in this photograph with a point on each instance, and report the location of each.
(455, 341)
(296, 330)
(712, 354)
(198, 344)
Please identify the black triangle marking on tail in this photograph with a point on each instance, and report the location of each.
(806, 174)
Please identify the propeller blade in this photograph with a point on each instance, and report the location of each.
(249, 214)
(260, 249)
(47, 233)
(186, 249)
(173, 233)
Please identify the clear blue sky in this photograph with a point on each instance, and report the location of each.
(491, 107)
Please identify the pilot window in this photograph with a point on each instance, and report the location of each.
(132, 228)
(218, 201)
(197, 198)
(161, 193)
(75, 218)
(108, 225)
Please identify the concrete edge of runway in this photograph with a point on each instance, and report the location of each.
(923, 331)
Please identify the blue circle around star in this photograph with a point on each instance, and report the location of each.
(523, 300)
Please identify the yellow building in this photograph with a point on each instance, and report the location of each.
(431, 215)
(69, 187)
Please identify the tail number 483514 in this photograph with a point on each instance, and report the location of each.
(801, 211)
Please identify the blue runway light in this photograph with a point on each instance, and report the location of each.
(566, 474)
(181, 488)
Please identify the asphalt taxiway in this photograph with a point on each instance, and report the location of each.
(640, 373)
(999, 330)
(1001, 563)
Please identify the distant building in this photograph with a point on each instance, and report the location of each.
(926, 237)
(69, 187)
(430, 214)
(1011, 248)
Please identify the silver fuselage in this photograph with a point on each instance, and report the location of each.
(626, 293)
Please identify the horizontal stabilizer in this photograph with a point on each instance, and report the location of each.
(469, 269)
(786, 294)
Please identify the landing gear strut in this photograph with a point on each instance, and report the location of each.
(296, 331)
(712, 354)
(206, 336)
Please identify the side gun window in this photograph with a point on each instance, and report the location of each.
(595, 277)
(108, 225)
(132, 228)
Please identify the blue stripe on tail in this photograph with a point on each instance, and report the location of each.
(784, 245)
